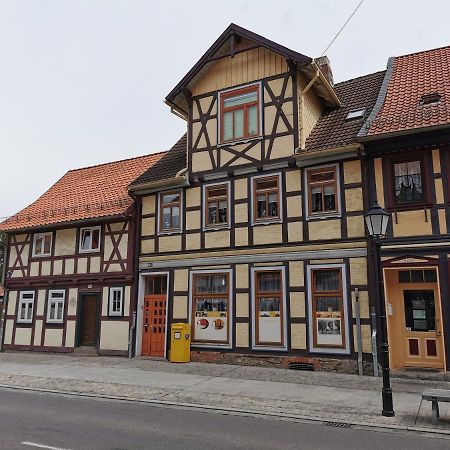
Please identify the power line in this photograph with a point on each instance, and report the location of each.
(343, 26)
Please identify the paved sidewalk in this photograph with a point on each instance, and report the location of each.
(313, 395)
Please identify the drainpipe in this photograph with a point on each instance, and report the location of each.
(5, 293)
(137, 240)
(302, 107)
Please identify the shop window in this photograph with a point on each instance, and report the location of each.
(239, 114)
(322, 191)
(266, 198)
(42, 244)
(211, 308)
(216, 205)
(26, 306)
(408, 182)
(116, 301)
(90, 239)
(269, 308)
(55, 306)
(328, 314)
(170, 211)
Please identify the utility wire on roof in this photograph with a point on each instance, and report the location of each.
(343, 26)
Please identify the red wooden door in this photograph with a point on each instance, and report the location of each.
(154, 325)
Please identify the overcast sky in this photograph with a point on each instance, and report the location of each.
(83, 81)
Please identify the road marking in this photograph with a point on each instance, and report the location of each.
(35, 444)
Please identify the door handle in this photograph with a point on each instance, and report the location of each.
(146, 327)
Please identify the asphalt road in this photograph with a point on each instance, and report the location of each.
(38, 420)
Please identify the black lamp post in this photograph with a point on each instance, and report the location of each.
(377, 220)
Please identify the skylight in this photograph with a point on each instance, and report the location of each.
(355, 114)
(429, 99)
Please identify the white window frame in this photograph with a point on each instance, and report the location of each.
(204, 208)
(29, 301)
(346, 319)
(267, 221)
(35, 237)
(111, 311)
(90, 250)
(57, 300)
(230, 306)
(260, 112)
(158, 216)
(254, 271)
(323, 215)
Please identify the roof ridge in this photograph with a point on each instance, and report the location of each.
(117, 161)
(422, 51)
(361, 76)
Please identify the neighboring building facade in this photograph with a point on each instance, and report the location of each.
(407, 141)
(70, 263)
(252, 224)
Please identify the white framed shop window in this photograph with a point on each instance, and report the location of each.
(115, 301)
(26, 307)
(55, 306)
(328, 309)
(211, 308)
(269, 329)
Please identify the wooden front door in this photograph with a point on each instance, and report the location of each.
(154, 325)
(89, 320)
(414, 320)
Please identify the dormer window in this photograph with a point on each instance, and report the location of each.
(430, 99)
(355, 114)
(239, 114)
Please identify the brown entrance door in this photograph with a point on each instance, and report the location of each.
(88, 320)
(154, 326)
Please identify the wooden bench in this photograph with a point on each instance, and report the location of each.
(435, 396)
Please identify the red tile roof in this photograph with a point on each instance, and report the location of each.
(81, 194)
(411, 77)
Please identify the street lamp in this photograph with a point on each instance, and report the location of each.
(377, 220)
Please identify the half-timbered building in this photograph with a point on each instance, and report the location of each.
(70, 263)
(251, 226)
(407, 139)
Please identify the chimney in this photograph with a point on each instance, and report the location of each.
(324, 63)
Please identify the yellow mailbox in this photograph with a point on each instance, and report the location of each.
(180, 342)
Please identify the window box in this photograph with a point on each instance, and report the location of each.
(269, 308)
(26, 307)
(90, 238)
(216, 206)
(115, 301)
(55, 306)
(240, 114)
(170, 206)
(328, 309)
(266, 199)
(42, 244)
(323, 192)
(211, 308)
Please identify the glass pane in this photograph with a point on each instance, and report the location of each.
(38, 245)
(242, 99)
(273, 205)
(253, 120)
(316, 200)
(166, 218)
(408, 182)
(419, 310)
(29, 311)
(59, 315)
(86, 240)
(95, 239)
(211, 284)
(171, 198)
(327, 280)
(430, 276)
(52, 310)
(269, 304)
(228, 126)
(211, 304)
(222, 212)
(238, 124)
(47, 243)
(261, 206)
(175, 217)
(328, 305)
(329, 198)
(269, 282)
(23, 308)
(212, 213)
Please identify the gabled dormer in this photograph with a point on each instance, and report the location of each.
(250, 103)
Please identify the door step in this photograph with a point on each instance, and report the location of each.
(411, 373)
(85, 351)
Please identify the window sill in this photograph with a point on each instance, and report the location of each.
(47, 255)
(268, 348)
(408, 207)
(169, 233)
(267, 222)
(324, 216)
(84, 252)
(217, 228)
(240, 141)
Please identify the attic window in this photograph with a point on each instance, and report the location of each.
(429, 99)
(355, 114)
